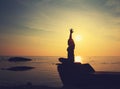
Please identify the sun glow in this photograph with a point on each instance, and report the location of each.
(78, 59)
(78, 37)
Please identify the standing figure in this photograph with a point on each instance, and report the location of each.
(70, 50)
(71, 47)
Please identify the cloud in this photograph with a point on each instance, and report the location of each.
(114, 5)
(24, 30)
(14, 16)
(113, 38)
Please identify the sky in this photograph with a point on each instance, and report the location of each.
(41, 27)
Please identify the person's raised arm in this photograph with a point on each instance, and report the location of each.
(71, 31)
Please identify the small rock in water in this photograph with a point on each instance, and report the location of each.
(18, 59)
(19, 68)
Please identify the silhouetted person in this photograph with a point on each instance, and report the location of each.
(71, 47)
(70, 50)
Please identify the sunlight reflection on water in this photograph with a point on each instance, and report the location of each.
(78, 59)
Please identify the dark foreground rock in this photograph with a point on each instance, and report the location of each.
(27, 87)
(80, 75)
(47, 87)
(18, 59)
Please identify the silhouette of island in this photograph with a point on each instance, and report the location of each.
(18, 59)
(79, 75)
(18, 68)
(70, 50)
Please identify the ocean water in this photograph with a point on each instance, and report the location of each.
(45, 72)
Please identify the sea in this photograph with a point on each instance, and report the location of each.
(45, 71)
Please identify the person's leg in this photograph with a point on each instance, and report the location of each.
(63, 60)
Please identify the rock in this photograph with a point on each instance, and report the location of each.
(19, 68)
(78, 75)
(18, 59)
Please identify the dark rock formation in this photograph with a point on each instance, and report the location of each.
(18, 59)
(19, 68)
(76, 74)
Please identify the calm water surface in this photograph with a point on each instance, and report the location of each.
(45, 71)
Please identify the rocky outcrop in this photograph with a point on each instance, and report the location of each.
(18, 59)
